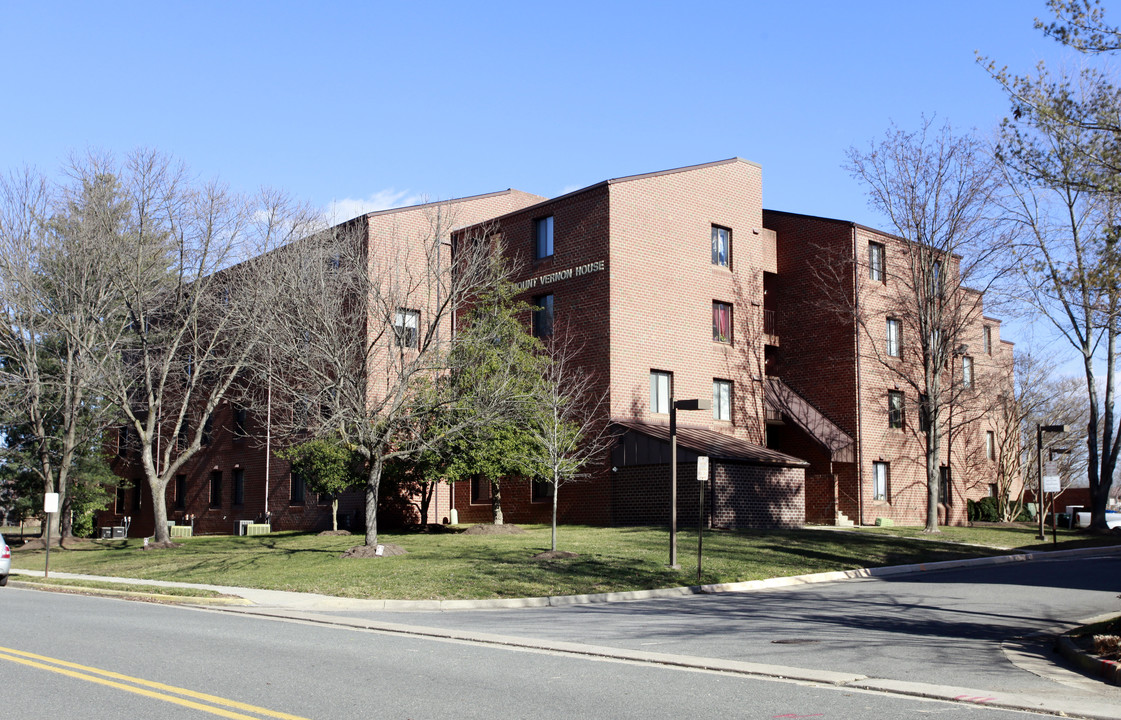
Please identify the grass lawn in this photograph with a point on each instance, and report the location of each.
(456, 566)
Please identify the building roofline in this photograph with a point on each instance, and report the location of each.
(435, 203)
(851, 224)
(627, 178)
(991, 319)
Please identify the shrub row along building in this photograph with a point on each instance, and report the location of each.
(677, 284)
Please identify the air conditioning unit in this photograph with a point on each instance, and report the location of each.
(118, 531)
(243, 526)
(106, 533)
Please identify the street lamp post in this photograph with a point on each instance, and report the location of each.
(674, 406)
(1039, 430)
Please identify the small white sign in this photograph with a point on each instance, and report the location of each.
(1052, 482)
(702, 468)
(379, 550)
(50, 502)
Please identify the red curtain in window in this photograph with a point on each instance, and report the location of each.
(721, 322)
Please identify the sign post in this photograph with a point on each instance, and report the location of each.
(702, 477)
(50, 506)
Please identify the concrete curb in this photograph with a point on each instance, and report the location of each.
(131, 594)
(1108, 670)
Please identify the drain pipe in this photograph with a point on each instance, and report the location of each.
(859, 406)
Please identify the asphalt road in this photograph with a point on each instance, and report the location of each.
(970, 627)
(92, 658)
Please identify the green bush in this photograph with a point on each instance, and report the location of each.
(983, 510)
(83, 525)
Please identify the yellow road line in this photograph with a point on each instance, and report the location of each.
(90, 674)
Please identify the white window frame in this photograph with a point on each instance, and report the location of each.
(722, 400)
(894, 332)
(876, 254)
(881, 474)
(967, 371)
(721, 246)
(990, 445)
(661, 389)
(405, 320)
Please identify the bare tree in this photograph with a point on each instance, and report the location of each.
(564, 421)
(937, 191)
(56, 303)
(190, 303)
(1060, 153)
(363, 334)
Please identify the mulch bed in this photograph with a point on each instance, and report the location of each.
(333, 533)
(366, 551)
(492, 529)
(555, 555)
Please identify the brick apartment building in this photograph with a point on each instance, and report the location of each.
(678, 285)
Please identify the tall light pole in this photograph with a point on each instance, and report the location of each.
(674, 406)
(1039, 430)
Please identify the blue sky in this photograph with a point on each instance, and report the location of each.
(389, 102)
(368, 104)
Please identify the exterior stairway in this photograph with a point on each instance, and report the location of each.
(842, 520)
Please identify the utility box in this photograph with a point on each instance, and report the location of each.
(885, 522)
(118, 531)
(242, 526)
(106, 533)
(258, 529)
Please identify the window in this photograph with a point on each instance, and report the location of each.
(480, 490)
(239, 487)
(944, 489)
(876, 262)
(241, 420)
(992, 490)
(936, 278)
(721, 322)
(894, 409)
(297, 489)
(540, 491)
(180, 492)
(405, 324)
(207, 429)
(967, 371)
(183, 437)
(990, 445)
(721, 246)
(136, 487)
(122, 441)
(924, 411)
(721, 400)
(894, 348)
(880, 475)
(543, 316)
(216, 489)
(543, 231)
(119, 504)
(987, 339)
(661, 385)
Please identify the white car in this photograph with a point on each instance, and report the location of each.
(5, 561)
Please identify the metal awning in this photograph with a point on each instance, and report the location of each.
(648, 444)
